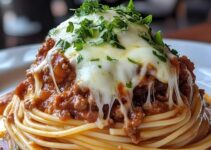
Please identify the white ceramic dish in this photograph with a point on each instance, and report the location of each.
(14, 62)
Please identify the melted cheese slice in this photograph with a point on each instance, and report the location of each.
(102, 77)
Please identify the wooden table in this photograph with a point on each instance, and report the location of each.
(201, 32)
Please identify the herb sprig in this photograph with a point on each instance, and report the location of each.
(109, 58)
(89, 7)
(129, 85)
(64, 45)
(79, 59)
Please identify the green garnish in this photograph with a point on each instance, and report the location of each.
(175, 52)
(147, 20)
(70, 27)
(104, 31)
(90, 7)
(115, 42)
(129, 85)
(133, 61)
(146, 37)
(157, 42)
(99, 66)
(108, 36)
(111, 59)
(78, 44)
(95, 59)
(79, 59)
(160, 56)
(158, 38)
(119, 23)
(85, 29)
(97, 42)
(64, 45)
(131, 5)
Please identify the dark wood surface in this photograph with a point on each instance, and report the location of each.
(201, 32)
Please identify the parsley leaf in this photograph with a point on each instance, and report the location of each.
(146, 37)
(133, 61)
(158, 38)
(70, 27)
(160, 56)
(147, 20)
(97, 42)
(115, 42)
(95, 59)
(119, 23)
(79, 58)
(78, 44)
(89, 7)
(85, 30)
(131, 5)
(64, 45)
(175, 52)
(129, 85)
(111, 59)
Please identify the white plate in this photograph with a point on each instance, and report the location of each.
(14, 62)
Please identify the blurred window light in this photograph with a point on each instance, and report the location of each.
(19, 26)
(5, 2)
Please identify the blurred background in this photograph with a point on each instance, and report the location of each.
(28, 21)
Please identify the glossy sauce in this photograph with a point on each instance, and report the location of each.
(4, 100)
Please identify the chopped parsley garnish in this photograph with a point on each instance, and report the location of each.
(95, 59)
(146, 37)
(85, 29)
(64, 45)
(115, 42)
(89, 7)
(131, 5)
(70, 27)
(129, 85)
(79, 59)
(119, 23)
(98, 41)
(147, 20)
(105, 31)
(107, 34)
(157, 42)
(160, 56)
(158, 38)
(175, 52)
(78, 44)
(111, 59)
(133, 61)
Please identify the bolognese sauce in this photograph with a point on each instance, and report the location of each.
(74, 101)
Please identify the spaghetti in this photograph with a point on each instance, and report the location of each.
(103, 81)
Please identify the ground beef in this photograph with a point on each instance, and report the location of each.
(47, 45)
(185, 64)
(157, 107)
(116, 113)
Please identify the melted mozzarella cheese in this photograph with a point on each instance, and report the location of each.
(2, 128)
(102, 77)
